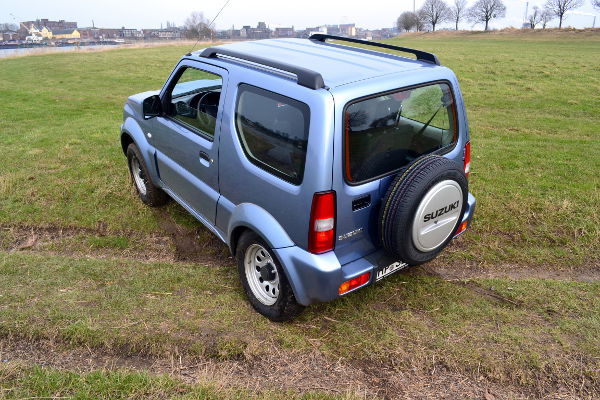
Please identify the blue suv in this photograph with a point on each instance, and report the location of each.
(325, 167)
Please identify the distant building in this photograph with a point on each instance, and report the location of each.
(260, 32)
(333, 30)
(284, 32)
(131, 33)
(318, 29)
(10, 36)
(66, 34)
(348, 30)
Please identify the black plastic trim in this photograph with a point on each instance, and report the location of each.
(306, 77)
(421, 55)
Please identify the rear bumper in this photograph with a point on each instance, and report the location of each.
(316, 277)
(468, 216)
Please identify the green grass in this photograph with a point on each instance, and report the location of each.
(21, 382)
(532, 102)
(529, 331)
(533, 110)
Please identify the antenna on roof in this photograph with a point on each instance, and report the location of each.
(209, 25)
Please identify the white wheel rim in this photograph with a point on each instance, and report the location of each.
(136, 171)
(256, 258)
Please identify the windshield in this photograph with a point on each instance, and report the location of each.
(385, 133)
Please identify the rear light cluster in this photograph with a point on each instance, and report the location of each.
(467, 158)
(321, 235)
(354, 283)
(461, 228)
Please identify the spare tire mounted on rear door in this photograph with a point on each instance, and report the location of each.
(422, 209)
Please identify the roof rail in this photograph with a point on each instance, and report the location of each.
(306, 77)
(421, 55)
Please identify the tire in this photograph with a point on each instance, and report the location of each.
(264, 280)
(422, 209)
(149, 193)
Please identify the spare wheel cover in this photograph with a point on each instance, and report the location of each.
(437, 215)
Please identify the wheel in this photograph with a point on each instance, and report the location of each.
(422, 209)
(149, 193)
(264, 281)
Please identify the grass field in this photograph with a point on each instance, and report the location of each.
(86, 269)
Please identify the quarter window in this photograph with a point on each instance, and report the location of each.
(273, 130)
(194, 100)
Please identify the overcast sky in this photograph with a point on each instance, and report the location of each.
(301, 13)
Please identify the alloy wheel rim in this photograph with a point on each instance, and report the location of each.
(138, 176)
(255, 259)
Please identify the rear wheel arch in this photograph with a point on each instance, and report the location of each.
(235, 236)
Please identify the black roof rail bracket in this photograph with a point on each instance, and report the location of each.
(306, 77)
(421, 55)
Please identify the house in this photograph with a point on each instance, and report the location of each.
(348, 30)
(66, 34)
(9, 36)
(285, 32)
(131, 33)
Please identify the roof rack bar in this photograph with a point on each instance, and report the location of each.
(421, 55)
(306, 77)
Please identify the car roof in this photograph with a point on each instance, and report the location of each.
(337, 64)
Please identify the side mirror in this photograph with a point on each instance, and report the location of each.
(152, 107)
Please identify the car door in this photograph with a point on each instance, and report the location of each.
(186, 136)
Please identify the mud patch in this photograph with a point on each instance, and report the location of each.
(175, 243)
(587, 273)
(196, 244)
(278, 370)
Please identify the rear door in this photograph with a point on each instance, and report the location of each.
(186, 136)
(381, 134)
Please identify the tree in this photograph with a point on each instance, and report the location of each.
(196, 26)
(458, 10)
(8, 26)
(596, 3)
(535, 17)
(485, 10)
(420, 21)
(558, 8)
(545, 17)
(407, 21)
(434, 12)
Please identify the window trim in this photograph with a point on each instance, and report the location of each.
(441, 151)
(259, 163)
(167, 98)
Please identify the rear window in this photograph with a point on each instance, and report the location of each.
(386, 132)
(273, 130)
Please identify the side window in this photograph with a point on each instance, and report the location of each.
(273, 130)
(195, 100)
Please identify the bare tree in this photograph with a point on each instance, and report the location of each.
(486, 10)
(8, 26)
(596, 3)
(545, 17)
(558, 8)
(420, 21)
(434, 12)
(458, 11)
(196, 26)
(407, 21)
(535, 17)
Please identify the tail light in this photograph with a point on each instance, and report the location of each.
(354, 283)
(321, 235)
(467, 158)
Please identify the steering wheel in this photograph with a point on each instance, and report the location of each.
(203, 115)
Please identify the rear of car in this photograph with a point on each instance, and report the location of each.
(382, 127)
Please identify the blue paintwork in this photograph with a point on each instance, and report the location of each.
(231, 192)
